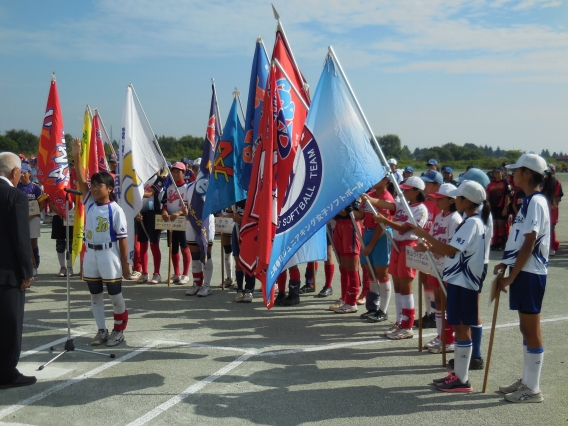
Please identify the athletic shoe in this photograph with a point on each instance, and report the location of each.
(367, 314)
(228, 282)
(143, 278)
(34, 272)
(326, 291)
(279, 299)
(291, 300)
(156, 279)
(512, 387)
(361, 301)
(474, 364)
(454, 384)
(115, 338)
(335, 305)
(307, 288)
(62, 272)
(184, 279)
(192, 290)
(175, 279)
(427, 322)
(524, 394)
(378, 316)
(435, 341)
(393, 328)
(100, 338)
(552, 253)
(204, 291)
(438, 348)
(248, 297)
(240, 297)
(346, 309)
(134, 275)
(70, 272)
(443, 379)
(401, 333)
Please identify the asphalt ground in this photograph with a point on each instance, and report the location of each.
(212, 361)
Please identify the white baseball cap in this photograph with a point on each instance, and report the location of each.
(413, 182)
(531, 161)
(471, 190)
(197, 162)
(445, 190)
(392, 161)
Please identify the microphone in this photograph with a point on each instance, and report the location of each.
(73, 191)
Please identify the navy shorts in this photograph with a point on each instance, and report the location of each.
(526, 293)
(380, 255)
(235, 242)
(462, 305)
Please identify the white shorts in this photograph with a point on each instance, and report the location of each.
(190, 233)
(103, 264)
(35, 227)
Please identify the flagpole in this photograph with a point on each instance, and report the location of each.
(281, 28)
(277, 63)
(217, 105)
(97, 113)
(155, 141)
(385, 163)
(259, 40)
(237, 95)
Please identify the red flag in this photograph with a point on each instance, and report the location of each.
(281, 126)
(52, 168)
(97, 156)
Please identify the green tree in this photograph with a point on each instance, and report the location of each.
(391, 146)
(7, 144)
(27, 141)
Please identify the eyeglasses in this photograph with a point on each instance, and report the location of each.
(97, 186)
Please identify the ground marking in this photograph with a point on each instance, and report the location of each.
(48, 345)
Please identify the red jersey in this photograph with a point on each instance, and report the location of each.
(368, 221)
(496, 193)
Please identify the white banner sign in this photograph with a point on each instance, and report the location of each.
(419, 260)
(70, 218)
(224, 225)
(176, 225)
(34, 208)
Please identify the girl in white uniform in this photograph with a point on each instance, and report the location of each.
(106, 250)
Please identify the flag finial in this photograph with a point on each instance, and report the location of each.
(236, 92)
(276, 15)
(259, 39)
(53, 76)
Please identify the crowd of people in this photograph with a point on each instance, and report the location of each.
(513, 208)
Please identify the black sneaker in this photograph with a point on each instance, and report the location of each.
(367, 314)
(443, 379)
(454, 384)
(308, 288)
(326, 291)
(291, 300)
(279, 299)
(427, 322)
(378, 316)
(474, 364)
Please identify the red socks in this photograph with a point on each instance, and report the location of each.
(186, 260)
(329, 270)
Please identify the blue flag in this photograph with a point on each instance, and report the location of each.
(335, 164)
(200, 226)
(257, 87)
(224, 189)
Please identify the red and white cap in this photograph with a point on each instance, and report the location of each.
(179, 165)
(444, 191)
(413, 182)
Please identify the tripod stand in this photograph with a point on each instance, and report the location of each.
(69, 345)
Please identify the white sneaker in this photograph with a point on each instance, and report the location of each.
(100, 338)
(156, 279)
(552, 253)
(62, 272)
(135, 275)
(205, 290)
(115, 338)
(438, 348)
(247, 297)
(433, 343)
(70, 271)
(175, 279)
(143, 278)
(34, 273)
(228, 282)
(192, 290)
(184, 279)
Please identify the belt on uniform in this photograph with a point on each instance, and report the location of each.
(99, 246)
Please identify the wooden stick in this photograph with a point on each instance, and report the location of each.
(419, 315)
(222, 264)
(491, 338)
(170, 259)
(443, 332)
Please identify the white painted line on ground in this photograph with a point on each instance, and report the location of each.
(24, 403)
(45, 327)
(48, 345)
(14, 424)
(162, 408)
(204, 346)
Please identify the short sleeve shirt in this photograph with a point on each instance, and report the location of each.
(104, 223)
(368, 221)
(465, 267)
(534, 216)
(445, 225)
(420, 214)
(32, 191)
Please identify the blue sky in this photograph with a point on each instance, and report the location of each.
(482, 71)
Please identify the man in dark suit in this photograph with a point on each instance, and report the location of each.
(16, 270)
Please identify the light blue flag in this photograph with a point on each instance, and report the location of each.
(224, 188)
(335, 165)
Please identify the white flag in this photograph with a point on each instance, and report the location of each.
(139, 161)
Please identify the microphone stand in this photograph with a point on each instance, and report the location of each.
(69, 345)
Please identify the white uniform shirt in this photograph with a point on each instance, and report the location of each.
(465, 268)
(420, 214)
(173, 203)
(104, 223)
(445, 225)
(534, 216)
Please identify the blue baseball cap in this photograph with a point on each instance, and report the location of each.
(26, 168)
(432, 176)
(409, 169)
(432, 162)
(475, 175)
(447, 169)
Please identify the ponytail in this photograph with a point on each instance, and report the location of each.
(549, 188)
(485, 211)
